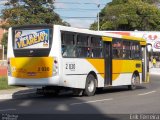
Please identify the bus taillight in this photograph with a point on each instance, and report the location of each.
(55, 67)
(8, 66)
(8, 61)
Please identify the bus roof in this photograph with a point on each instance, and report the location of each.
(106, 36)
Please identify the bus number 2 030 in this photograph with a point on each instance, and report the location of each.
(70, 66)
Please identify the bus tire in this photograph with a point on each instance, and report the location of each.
(134, 82)
(90, 86)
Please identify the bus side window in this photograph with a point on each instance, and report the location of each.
(126, 50)
(64, 51)
(82, 46)
(71, 51)
(117, 49)
(68, 44)
(96, 47)
(136, 50)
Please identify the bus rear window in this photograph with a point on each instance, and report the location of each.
(32, 40)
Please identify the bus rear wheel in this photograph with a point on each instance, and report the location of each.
(135, 81)
(90, 86)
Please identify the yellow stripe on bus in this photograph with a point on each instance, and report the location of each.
(107, 39)
(125, 66)
(98, 64)
(118, 66)
(143, 43)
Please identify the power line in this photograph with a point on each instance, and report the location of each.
(79, 3)
(78, 17)
(75, 9)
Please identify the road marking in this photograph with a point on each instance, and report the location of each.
(92, 101)
(147, 93)
(25, 103)
(3, 110)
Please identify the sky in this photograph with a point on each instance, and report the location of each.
(78, 13)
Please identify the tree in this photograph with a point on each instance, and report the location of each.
(129, 15)
(26, 12)
(4, 41)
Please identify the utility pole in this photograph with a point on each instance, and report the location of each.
(98, 16)
(2, 52)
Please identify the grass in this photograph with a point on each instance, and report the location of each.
(4, 84)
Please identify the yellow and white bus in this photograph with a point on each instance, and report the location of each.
(56, 57)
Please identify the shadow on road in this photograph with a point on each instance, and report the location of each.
(118, 89)
(31, 93)
(32, 106)
(52, 108)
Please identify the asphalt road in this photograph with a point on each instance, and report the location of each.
(113, 103)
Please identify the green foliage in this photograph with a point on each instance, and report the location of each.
(4, 84)
(4, 40)
(31, 12)
(129, 15)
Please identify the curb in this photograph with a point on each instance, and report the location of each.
(17, 93)
(154, 71)
(6, 96)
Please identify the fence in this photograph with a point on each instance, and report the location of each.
(3, 68)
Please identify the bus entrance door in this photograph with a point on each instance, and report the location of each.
(108, 63)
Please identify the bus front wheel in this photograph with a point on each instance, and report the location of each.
(90, 86)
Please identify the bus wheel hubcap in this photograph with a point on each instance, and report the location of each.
(134, 80)
(90, 86)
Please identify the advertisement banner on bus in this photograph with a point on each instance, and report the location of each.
(27, 39)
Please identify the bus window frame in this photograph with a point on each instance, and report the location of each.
(131, 52)
(87, 46)
(117, 48)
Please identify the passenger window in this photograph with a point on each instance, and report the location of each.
(117, 48)
(126, 50)
(68, 44)
(96, 47)
(136, 50)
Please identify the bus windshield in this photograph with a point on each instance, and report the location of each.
(34, 41)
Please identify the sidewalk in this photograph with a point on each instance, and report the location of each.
(16, 93)
(154, 71)
(11, 91)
